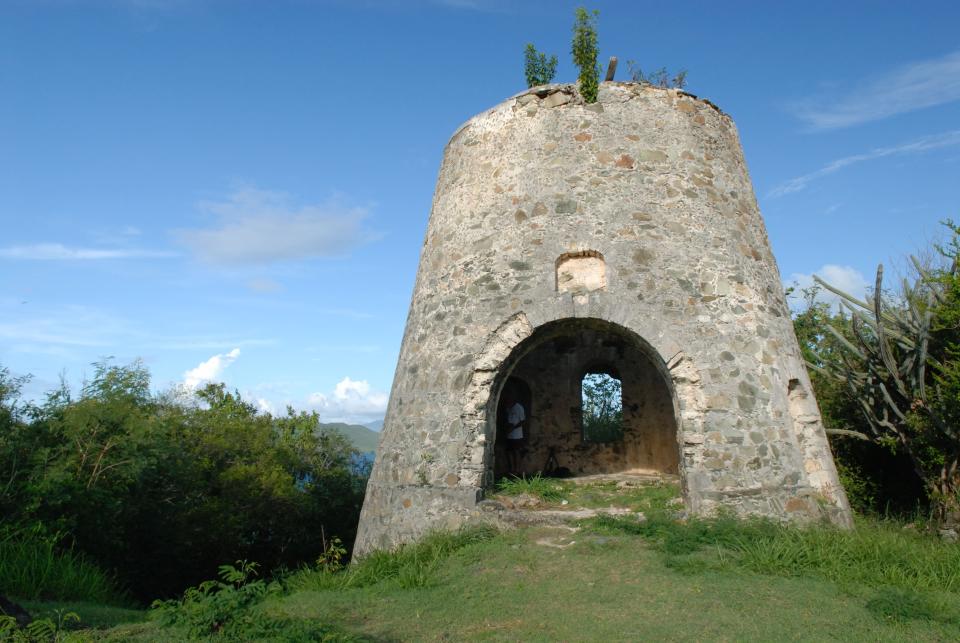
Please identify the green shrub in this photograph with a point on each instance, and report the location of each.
(160, 489)
(228, 609)
(34, 565)
(537, 69)
(585, 52)
(659, 78)
(215, 606)
(41, 630)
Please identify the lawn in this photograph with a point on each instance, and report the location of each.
(608, 578)
(551, 584)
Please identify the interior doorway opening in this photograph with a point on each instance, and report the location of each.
(601, 407)
(596, 399)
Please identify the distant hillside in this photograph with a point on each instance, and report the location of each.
(364, 439)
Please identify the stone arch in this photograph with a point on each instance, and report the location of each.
(516, 339)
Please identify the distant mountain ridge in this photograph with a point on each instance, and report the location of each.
(363, 439)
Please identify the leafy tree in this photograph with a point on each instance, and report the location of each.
(585, 52)
(602, 408)
(163, 489)
(21, 448)
(537, 69)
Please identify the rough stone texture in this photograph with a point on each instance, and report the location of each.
(653, 182)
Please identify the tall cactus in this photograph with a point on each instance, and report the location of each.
(888, 367)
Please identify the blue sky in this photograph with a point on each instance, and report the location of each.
(238, 190)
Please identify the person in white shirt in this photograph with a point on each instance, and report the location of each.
(516, 418)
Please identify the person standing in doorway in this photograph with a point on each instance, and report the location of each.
(516, 418)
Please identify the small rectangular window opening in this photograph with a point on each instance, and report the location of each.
(602, 408)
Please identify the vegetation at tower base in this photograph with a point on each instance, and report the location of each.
(584, 50)
(161, 489)
(537, 69)
(683, 579)
(889, 372)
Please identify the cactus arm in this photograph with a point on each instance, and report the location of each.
(845, 342)
(847, 432)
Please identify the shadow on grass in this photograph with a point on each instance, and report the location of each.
(918, 575)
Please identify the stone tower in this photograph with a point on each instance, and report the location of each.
(621, 237)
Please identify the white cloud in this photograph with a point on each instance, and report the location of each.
(907, 88)
(258, 226)
(209, 370)
(266, 406)
(845, 278)
(351, 401)
(944, 139)
(60, 252)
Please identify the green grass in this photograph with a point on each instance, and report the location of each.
(547, 489)
(611, 587)
(875, 554)
(408, 567)
(33, 567)
(618, 579)
(652, 497)
(92, 615)
(898, 604)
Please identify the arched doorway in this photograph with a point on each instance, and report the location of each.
(558, 368)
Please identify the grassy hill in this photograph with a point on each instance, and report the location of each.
(606, 578)
(363, 438)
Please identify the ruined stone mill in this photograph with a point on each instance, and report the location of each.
(621, 237)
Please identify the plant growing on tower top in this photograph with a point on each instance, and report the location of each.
(584, 50)
(536, 67)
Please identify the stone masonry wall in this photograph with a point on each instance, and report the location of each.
(654, 182)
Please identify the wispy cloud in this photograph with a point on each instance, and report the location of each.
(60, 252)
(209, 370)
(907, 88)
(259, 226)
(944, 139)
(67, 326)
(846, 278)
(82, 330)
